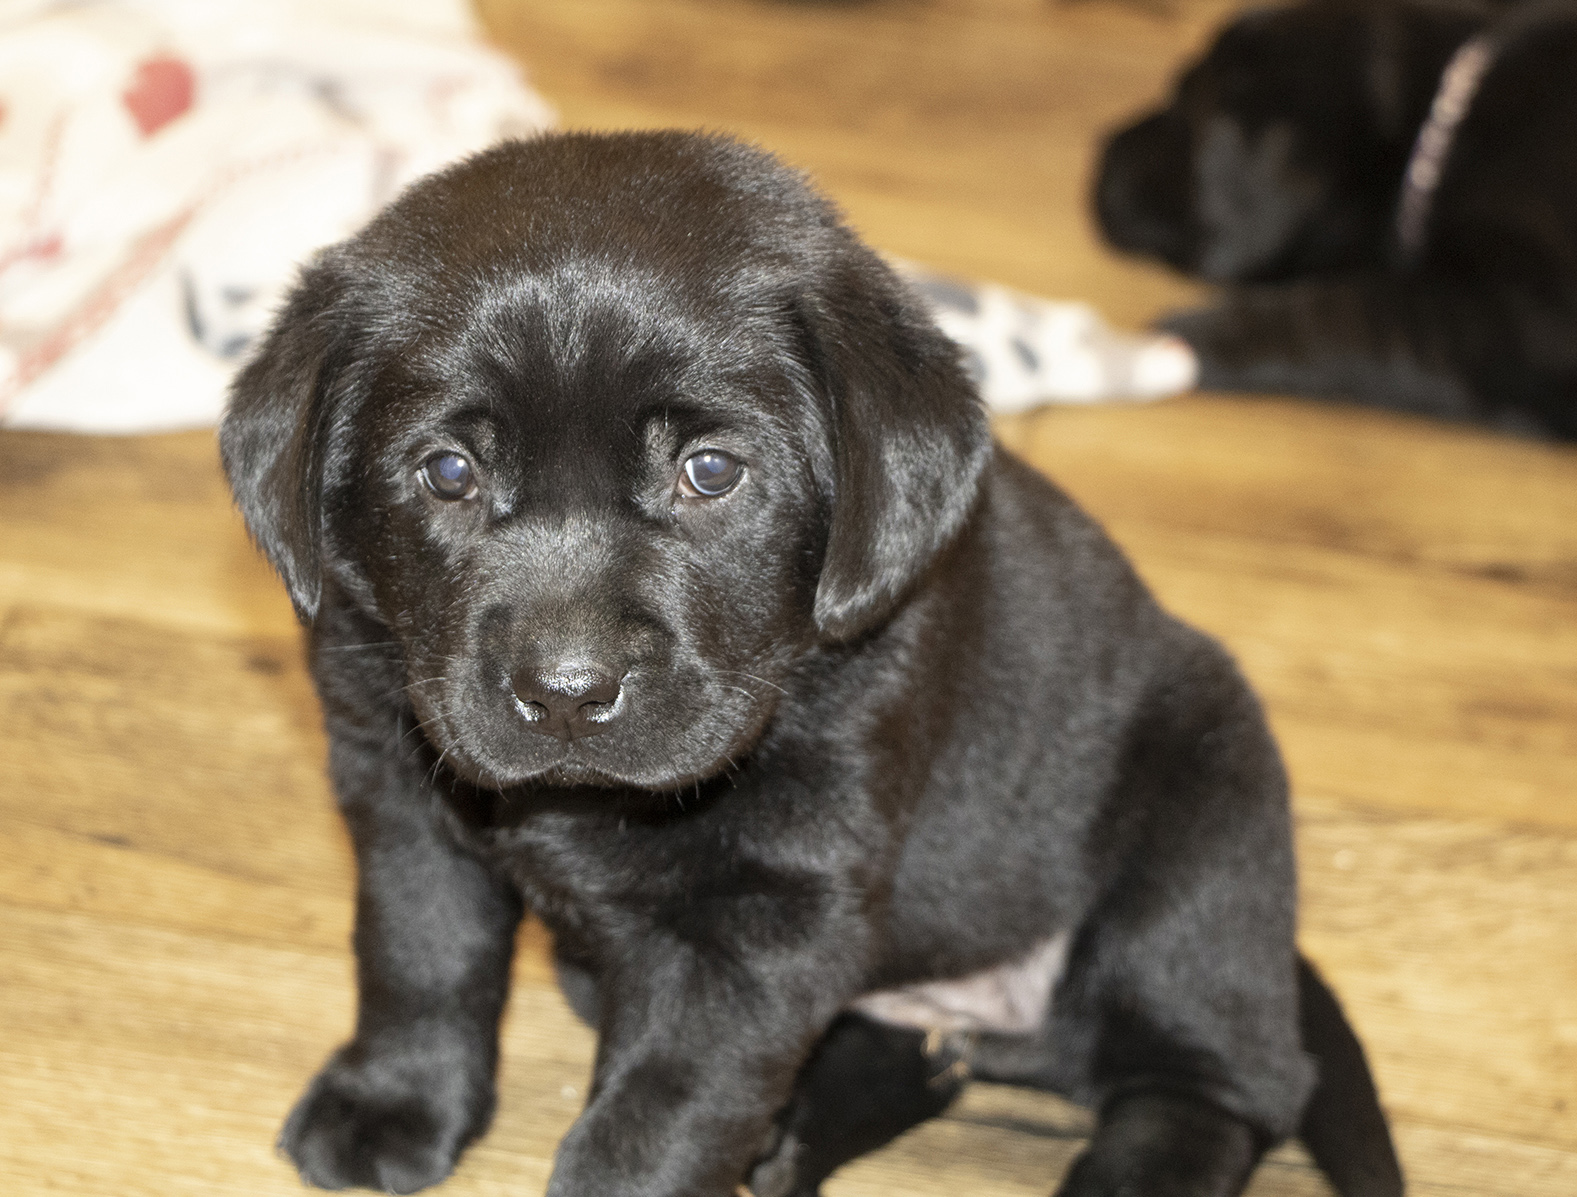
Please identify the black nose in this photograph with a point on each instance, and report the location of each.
(567, 699)
(1143, 191)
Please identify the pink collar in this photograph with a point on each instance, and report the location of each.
(1459, 85)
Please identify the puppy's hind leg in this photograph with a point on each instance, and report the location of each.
(864, 1085)
(1178, 1014)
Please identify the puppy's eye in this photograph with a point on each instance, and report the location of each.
(710, 473)
(449, 476)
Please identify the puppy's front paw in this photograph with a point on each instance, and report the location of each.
(383, 1124)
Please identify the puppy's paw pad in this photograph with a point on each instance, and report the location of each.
(345, 1133)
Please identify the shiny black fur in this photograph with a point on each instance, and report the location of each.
(1276, 167)
(892, 709)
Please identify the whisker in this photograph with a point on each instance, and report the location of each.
(432, 774)
(422, 725)
(754, 678)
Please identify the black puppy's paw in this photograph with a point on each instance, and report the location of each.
(777, 1173)
(383, 1124)
(1161, 1144)
(1212, 333)
(864, 1085)
(1261, 340)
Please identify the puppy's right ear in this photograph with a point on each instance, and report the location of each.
(272, 436)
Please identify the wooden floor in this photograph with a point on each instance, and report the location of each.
(175, 888)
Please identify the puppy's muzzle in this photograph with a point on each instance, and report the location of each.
(568, 700)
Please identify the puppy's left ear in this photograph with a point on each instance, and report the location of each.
(909, 442)
(272, 436)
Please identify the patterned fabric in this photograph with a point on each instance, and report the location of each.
(165, 165)
(1024, 351)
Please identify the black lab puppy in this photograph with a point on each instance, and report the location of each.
(1392, 186)
(662, 579)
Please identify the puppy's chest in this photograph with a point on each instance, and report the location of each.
(572, 872)
(560, 860)
(586, 871)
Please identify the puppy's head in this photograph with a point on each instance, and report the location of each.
(1281, 151)
(608, 432)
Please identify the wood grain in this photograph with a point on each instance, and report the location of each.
(175, 886)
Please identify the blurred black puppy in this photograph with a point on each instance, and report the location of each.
(1393, 184)
(663, 579)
